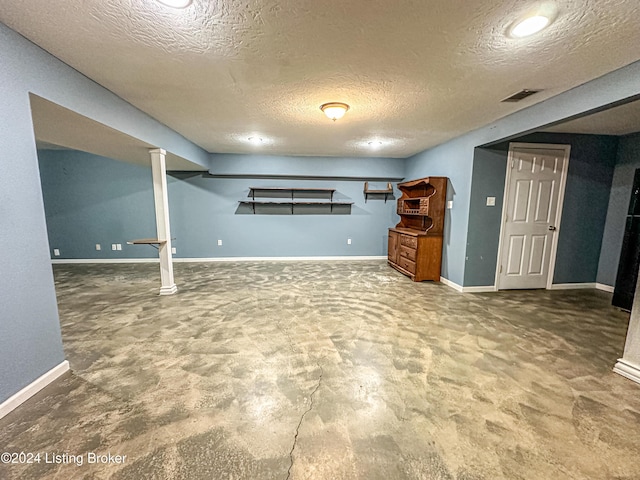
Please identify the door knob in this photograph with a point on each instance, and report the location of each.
(552, 228)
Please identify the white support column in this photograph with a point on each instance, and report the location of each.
(158, 167)
(629, 365)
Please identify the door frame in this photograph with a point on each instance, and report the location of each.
(558, 219)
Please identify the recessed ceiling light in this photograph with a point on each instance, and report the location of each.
(334, 110)
(176, 3)
(529, 26)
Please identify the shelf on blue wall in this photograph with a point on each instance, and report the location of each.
(292, 197)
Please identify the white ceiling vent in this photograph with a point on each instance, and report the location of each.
(521, 95)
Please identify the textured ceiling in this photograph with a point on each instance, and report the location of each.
(416, 73)
(622, 120)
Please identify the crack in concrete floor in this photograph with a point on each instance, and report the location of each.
(418, 381)
(295, 438)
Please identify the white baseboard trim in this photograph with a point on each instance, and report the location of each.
(627, 369)
(574, 286)
(449, 283)
(605, 288)
(277, 259)
(34, 387)
(58, 261)
(461, 289)
(480, 289)
(571, 286)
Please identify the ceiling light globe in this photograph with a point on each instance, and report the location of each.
(334, 110)
(529, 26)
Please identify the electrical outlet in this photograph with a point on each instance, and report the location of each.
(119, 246)
(491, 201)
(449, 204)
(114, 247)
(173, 250)
(56, 252)
(98, 246)
(348, 241)
(219, 243)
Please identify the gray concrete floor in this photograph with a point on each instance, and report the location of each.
(328, 370)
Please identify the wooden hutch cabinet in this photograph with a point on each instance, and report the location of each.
(415, 244)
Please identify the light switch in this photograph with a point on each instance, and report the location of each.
(491, 201)
(119, 246)
(114, 247)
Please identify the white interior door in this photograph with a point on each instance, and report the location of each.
(535, 182)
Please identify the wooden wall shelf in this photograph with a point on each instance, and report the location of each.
(147, 241)
(386, 192)
(278, 192)
(154, 242)
(295, 203)
(294, 197)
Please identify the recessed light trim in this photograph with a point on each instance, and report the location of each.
(334, 110)
(175, 3)
(530, 26)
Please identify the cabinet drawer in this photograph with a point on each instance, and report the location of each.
(409, 241)
(407, 252)
(407, 264)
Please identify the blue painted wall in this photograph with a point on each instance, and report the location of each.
(243, 234)
(585, 205)
(489, 173)
(455, 158)
(628, 159)
(330, 167)
(30, 342)
(584, 211)
(29, 328)
(449, 160)
(91, 199)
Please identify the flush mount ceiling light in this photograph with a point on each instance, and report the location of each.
(255, 140)
(375, 144)
(334, 110)
(529, 25)
(531, 21)
(175, 3)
